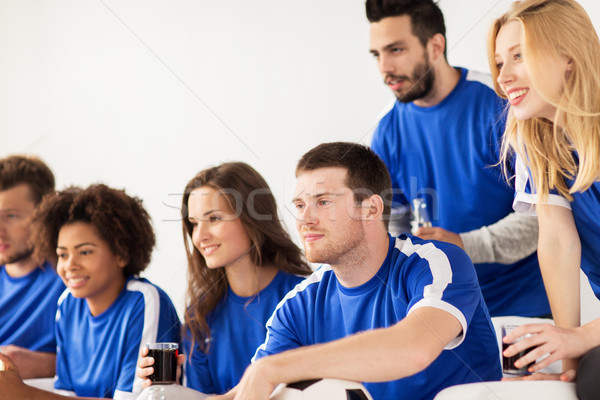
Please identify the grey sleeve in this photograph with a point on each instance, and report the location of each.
(507, 241)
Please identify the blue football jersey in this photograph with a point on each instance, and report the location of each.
(448, 155)
(237, 327)
(415, 273)
(28, 308)
(586, 213)
(97, 355)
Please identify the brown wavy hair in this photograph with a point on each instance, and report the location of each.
(120, 220)
(247, 193)
(18, 169)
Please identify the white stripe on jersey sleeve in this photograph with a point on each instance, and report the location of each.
(441, 273)
(524, 202)
(151, 318)
(62, 298)
(315, 277)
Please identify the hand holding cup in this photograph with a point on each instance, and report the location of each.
(160, 363)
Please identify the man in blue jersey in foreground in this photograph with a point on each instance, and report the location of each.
(441, 143)
(29, 289)
(404, 314)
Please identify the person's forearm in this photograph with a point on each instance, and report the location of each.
(331, 360)
(31, 364)
(559, 253)
(506, 241)
(40, 365)
(374, 356)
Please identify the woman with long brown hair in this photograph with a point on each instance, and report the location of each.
(241, 263)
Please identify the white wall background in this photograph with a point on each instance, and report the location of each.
(142, 94)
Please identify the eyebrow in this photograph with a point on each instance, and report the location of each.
(389, 46)
(511, 48)
(317, 195)
(211, 212)
(78, 246)
(205, 214)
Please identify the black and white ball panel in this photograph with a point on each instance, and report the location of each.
(322, 389)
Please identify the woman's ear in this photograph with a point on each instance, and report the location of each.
(122, 261)
(569, 65)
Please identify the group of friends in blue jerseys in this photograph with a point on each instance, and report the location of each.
(508, 168)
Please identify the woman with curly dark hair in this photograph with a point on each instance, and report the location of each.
(102, 239)
(241, 263)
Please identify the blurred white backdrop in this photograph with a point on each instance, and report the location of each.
(142, 94)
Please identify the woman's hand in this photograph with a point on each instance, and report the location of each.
(567, 376)
(145, 367)
(558, 343)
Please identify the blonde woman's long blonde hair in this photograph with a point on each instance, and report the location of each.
(556, 29)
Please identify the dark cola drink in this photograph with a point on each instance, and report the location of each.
(508, 363)
(165, 362)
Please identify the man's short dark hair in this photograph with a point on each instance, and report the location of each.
(367, 174)
(16, 170)
(425, 16)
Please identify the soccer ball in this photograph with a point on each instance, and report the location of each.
(321, 389)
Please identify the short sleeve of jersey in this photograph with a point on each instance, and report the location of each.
(525, 195)
(132, 347)
(197, 372)
(97, 355)
(155, 320)
(442, 276)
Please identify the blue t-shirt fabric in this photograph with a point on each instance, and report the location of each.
(237, 327)
(416, 273)
(97, 355)
(448, 155)
(586, 214)
(28, 308)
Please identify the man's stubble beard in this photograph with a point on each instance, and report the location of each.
(346, 254)
(423, 78)
(18, 257)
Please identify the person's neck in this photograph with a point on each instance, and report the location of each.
(102, 302)
(363, 263)
(21, 268)
(446, 79)
(247, 279)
